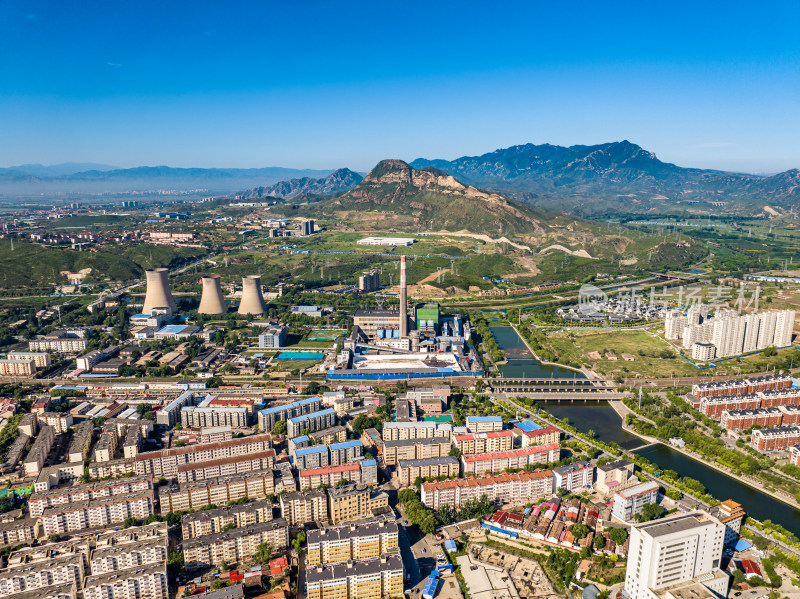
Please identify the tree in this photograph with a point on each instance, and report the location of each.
(579, 531)
(599, 542)
(675, 494)
(650, 511)
(760, 542)
(279, 428)
(216, 585)
(618, 535)
(263, 553)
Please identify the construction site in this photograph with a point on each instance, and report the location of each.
(493, 574)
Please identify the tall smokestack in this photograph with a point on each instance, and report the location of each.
(212, 301)
(403, 316)
(252, 300)
(158, 294)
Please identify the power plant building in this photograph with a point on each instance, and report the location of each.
(212, 301)
(158, 294)
(252, 300)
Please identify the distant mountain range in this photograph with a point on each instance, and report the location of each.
(36, 179)
(605, 179)
(619, 176)
(336, 183)
(393, 194)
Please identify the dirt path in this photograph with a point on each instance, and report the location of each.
(433, 276)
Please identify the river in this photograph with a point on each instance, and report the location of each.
(600, 417)
(520, 362)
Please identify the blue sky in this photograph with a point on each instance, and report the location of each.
(330, 84)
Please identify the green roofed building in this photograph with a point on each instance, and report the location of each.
(427, 317)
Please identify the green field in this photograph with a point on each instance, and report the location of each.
(33, 265)
(575, 345)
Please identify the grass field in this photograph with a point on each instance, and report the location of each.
(574, 347)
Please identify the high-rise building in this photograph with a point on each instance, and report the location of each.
(680, 552)
(674, 324)
(369, 281)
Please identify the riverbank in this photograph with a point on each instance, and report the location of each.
(584, 371)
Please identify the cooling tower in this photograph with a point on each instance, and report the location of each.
(212, 301)
(158, 294)
(403, 316)
(252, 300)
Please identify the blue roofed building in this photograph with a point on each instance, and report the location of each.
(484, 424)
(346, 452)
(311, 422)
(431, 585)
(314, 456)
(269, 416)
(527, 426)
(369, 472)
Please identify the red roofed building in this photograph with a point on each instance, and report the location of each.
(478, 464)
(517, 488)
(330, 475)
(484, 442)
(541, 436)
(278, 565)
(750, 568)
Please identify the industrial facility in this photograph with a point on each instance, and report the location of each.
(212, 300)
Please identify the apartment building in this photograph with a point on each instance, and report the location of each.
(329, 476)
(310, 456)
(347, 503)
(106, 448)
(35, 577)
(267, 418)
(118, 467)
(479, 464)
(531, 433)
(218, 491)
(58, 420)
(235, 545)
(629, 502)
(341, 544)
(200, 417)
(141, 582)
(409, 470)
(60, 342)
(518, 488)
(794, 455)
(132, 442)
(166, 462)
(208, 522)
(415, 449)
(18, 532)
(313, 421)
(37, 456)
(39, 501)
(677, 556)
(345, 452)
(774, 439)
(81, 442)
(299, 508)
(401, 431)
(575, 476)
(732, 515)
(238, 464)
(484, 442)
(40, 359)
(715, 405)
(79, 515)
(746, 386)
(484, 424)
(130, 548)
(329, 436)
(737, 420)
(17, 368)
(216, 434)
(382, 577)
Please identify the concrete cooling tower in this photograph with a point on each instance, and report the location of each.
(158, 294)
(212, 300)
(252, 300)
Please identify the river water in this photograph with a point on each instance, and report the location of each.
(601, 418)
(521, 363)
